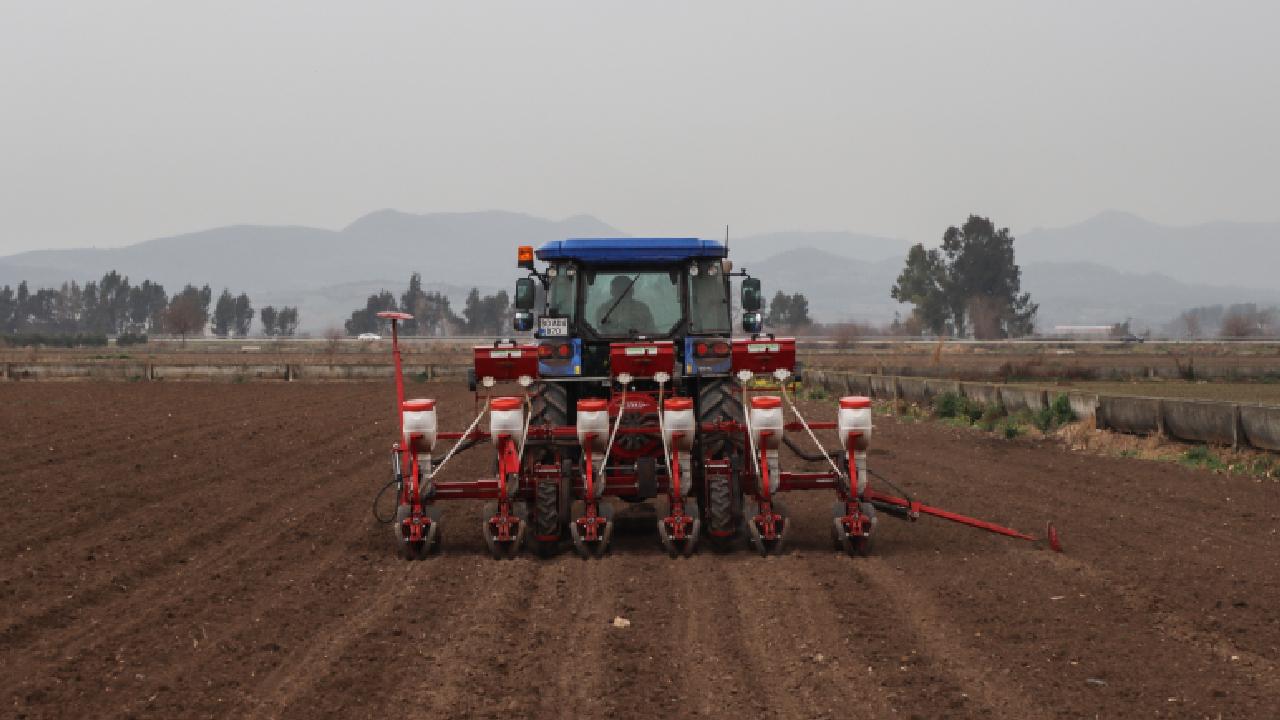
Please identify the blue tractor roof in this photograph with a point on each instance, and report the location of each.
(631, 250)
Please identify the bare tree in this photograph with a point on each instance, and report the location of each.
(1190, 324)
(332, 341)
(1239, 324)
(185, 315)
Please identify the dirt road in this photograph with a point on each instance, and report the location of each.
(207, 551)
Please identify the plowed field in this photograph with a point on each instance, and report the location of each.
(208, 550)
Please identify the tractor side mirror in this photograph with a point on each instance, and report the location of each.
(752, 322)
(526, 292)
(522, 321)
(751, 295)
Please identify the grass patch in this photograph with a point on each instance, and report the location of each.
(1202, 457)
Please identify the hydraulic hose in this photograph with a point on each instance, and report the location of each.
(378, 497)
(810, 457)
(456, 446)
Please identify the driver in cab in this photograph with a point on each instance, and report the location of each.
(623, 313)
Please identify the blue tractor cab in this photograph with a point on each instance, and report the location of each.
(598, 291)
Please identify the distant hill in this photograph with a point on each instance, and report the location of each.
(1217, 253)
(841, 288)
(865, 248)
(326, 272)
(1090, 294)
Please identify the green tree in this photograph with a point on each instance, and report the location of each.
(799, 316)
(287, 321)
(224, 314)
(366, 320)
(267, 319)
(243, 315)
(970, 284)
(431, 312)
(779, 310)
(487, 314)
(790, 311)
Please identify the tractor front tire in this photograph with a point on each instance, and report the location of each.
(547, 519)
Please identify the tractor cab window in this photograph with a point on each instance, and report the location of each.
(708, 300)
(627, 302)
(560, 292)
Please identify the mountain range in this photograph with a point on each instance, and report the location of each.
(1106, 269)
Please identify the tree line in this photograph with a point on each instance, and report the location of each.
(114, 306)
(1245, 320)
(433, 314)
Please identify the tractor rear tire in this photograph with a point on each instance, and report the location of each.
(549, 407)
(549, 404)
(720, 400)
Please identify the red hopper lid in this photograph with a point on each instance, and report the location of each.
(593, 405)
(766, 402)
(855, 402)
(418, 405)
(507, 403)
(678, 403)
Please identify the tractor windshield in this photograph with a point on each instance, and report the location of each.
(632, 302)
(708, 302)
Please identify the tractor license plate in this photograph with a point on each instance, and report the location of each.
(553, 326)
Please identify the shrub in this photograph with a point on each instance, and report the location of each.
(990, 416)
(67, 341)
(1011, 430)
(948, 405)
(1057, 413)
(131, 339)
(955, 406)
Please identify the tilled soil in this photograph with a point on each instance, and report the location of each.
(203, 550)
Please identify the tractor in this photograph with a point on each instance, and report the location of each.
(628, 388)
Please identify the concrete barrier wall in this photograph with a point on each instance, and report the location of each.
(934, 387)
(1016, 398)
(914, 390)
(981, 393)
(859, 384)
(80, 371)
(348, 372)
(1084, 405)
(1187, 420)
(1136, 415)
(820, 379)
(1200, 421)
(884, 387)
(210, 371)
(219, 372)
(1260, 426)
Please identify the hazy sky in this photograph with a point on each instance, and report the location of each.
(127, 120)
